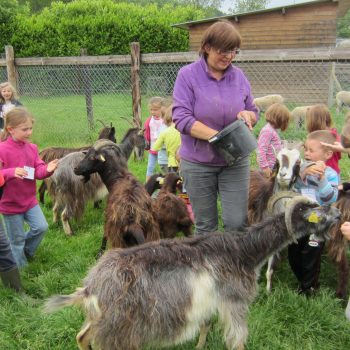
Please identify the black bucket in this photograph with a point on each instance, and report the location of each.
(234, 142)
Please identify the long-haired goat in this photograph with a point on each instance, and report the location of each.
(67, 190)
(129, 216)
(171, 210)
(162, 293)
(51, 153)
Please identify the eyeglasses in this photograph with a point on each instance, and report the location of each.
(229, 53)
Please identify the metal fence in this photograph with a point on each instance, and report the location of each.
(56, 87)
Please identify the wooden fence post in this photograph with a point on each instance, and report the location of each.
(135, 83)
(10, 65)
(87, 90)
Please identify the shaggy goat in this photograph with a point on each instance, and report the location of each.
(51, 153)
(162, 293)
(129, 216)
(68, 192)
(171, 210)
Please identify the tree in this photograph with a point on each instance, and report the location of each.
(248, 5)
(343, 26)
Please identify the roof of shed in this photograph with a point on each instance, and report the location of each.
(187, 25)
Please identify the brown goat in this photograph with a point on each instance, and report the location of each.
(129, 216)
(171, 210)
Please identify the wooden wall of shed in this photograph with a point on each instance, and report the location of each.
(309, 25)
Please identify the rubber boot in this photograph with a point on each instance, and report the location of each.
(12, 279)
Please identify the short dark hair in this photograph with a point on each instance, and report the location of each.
(221, 35)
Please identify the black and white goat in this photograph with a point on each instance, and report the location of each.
(129, 216)
(162, 293)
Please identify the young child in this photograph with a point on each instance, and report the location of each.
(153, 125)
(269, 143)
(21, 165)
(320, 183)
(8, 100)
(318, 117)
(170, 137)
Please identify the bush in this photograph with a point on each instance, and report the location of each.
(102, 27)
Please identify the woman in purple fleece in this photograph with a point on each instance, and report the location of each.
(210, 94)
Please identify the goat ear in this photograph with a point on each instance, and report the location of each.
(101, 158)
(84, 152)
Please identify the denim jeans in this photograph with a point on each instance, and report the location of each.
(152, 162)
(25, 243)
(204, 183)
(7, 261)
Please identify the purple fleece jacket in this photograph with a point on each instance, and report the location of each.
(19, 195)
(199, 97)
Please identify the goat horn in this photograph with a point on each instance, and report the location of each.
(277, 197)
(128, 120)
(99, 120)
(289, 211)
(102, 143)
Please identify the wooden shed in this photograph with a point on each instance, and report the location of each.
(309, 24)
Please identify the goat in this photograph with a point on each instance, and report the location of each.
(162, 293)
(262, 189)
(51, 153)
(171, 210)
(67, 191)
(129, 216)
(337, 246)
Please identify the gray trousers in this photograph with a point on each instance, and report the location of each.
(204, 183)
(7, 261)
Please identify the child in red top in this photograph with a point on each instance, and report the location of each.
(318, 117)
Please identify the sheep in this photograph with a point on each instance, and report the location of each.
(51, 153)
(171, 211)
(162, 293)
(263, 103)
(129, 216)
(343, 100)
(344, 43)
(299, 115)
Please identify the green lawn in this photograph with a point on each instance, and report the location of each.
(282, 320)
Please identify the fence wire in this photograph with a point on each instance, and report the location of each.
(59, 93)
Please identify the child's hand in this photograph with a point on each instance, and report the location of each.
(317, 169)
(52, 166)
(20, 173)
(345, 230)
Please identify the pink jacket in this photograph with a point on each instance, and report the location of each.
(19, 195)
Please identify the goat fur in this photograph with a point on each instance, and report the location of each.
(162, 293)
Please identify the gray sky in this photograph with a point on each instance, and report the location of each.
(272, 3)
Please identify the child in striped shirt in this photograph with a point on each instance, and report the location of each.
(269, 143)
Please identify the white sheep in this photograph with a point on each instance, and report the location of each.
(263, 103)
(343, 99)
(344, 43)
(299, 115)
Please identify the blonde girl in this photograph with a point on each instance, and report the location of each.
(269, 143)
(318, 117)
(8, 100)
(21, 166)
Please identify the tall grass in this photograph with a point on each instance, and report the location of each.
(281, 320)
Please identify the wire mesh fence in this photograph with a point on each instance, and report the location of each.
(58, 94)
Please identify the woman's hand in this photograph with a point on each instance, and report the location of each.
(248, 117)
(20, 173)
(345, 230)
(52, 166)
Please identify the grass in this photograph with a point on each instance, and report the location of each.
(282, 320)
